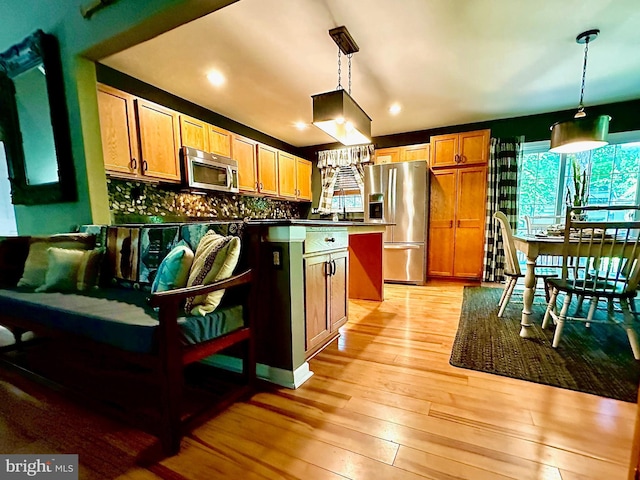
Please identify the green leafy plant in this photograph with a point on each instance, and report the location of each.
(580, 196)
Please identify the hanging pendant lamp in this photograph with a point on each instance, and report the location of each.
(583, 132)
(337, 113)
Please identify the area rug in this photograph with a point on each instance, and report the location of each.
(595, 360)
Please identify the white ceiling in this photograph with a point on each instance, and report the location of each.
(447, 62)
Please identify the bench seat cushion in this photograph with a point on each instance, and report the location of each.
(118, 317)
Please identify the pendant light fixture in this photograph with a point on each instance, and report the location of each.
(336, 112)
(582, 133)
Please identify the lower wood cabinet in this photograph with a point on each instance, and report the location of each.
(326, 281)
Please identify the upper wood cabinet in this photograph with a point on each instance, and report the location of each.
(118, 131)
(467, 148)
(159, 141)
(287, 175)
(294, 177)
(407, 153)
(139, 138)
(303, 175)
(267, 170)
(244, 152)
(412, 153)
(193, 133)
(219, 141)
(387, 155)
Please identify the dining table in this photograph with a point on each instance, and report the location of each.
(532, 246)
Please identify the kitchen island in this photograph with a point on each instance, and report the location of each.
(308, 271)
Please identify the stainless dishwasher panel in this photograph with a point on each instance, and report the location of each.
(405, 262)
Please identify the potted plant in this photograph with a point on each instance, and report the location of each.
(580, 195)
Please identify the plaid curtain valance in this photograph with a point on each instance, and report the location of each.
(344, 157)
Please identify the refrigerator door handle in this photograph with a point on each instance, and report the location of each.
(402, 247)
(393, 175)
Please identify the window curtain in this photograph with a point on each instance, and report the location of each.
(502, 187)
(329, 163)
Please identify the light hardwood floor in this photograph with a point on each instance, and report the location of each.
(384, 403)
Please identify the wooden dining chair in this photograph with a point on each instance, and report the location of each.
(600, 261)
(512, 267)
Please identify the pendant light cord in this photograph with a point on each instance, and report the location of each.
(339, 87)
(584, 75)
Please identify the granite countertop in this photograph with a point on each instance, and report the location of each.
(282, 222)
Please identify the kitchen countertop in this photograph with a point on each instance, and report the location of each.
(284, 222)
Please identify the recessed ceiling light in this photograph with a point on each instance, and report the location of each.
(395, 109)
(301, 125)
(216, 78)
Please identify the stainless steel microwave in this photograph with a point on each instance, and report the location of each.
(207, 171)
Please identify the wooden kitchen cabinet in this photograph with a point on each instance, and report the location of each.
(125, 119)
(467, 148)
(407, 153)
(118, 131)
(244, 152)
(267, 170)
(287, 175)
(457, 222)
(219, 141)
(387, 155)
(193, 133)
(326, 280)
(294, 177)
(159, 129)
(303, 175)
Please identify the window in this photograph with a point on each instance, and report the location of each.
(543, 177)
(347, 196)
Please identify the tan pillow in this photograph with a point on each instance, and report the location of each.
(215, 259)
(71, 269)
(35, 267)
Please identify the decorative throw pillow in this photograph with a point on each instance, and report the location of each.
(35, 267)
(70, 269)
(173, 271)
(215, 259)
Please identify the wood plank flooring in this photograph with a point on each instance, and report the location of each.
(384, 403)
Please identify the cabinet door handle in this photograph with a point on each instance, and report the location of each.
(450, 223)
(327, 269)
(463, 159)
(145, 166)
(458, 223)
(457, 158)
(133, 164)
(261, 185)
(333, 267)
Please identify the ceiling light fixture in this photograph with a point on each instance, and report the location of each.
(336, 113)
(216, 78)
(582, 133)
(395, 109)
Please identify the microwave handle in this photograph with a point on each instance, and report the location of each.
(229, 176)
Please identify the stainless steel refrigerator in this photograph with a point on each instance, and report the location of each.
(398, 193)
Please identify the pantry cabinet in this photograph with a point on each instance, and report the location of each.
(456, 222)
(467, 148)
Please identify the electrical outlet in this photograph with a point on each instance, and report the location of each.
(276, 258)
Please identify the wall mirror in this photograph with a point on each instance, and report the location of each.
(34, 124)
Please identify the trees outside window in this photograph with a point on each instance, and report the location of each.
(543, 177)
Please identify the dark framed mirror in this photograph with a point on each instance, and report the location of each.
(34, 125)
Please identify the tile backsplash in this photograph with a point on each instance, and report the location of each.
(138, 202)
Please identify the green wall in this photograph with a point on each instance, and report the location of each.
(118, 26)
